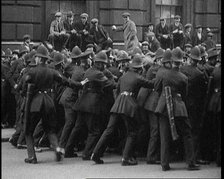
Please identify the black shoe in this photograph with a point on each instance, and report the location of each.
(32, 160)
(166, 168)
(193, 167)
(153, 162)
(71, 155)
(202, 162)
(84, 157)
(96, 159)
(13, 142)
(126, 162)
(20, 146)
(59, 155)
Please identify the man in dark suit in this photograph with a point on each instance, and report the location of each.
(83, 27)
(100, 36)
(127, 108)
(89, 107)
(26, 42)
(176, 32)
(198, 36)
(187, 34)
(210, 43)
(177, 81)
(57, 32)
(195, 98)
(163, 34)
(74, 37)
(154, 44)
(42, 105)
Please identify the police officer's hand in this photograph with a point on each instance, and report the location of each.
(84, 81)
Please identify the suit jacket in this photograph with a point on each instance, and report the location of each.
(188, 38)
(68, 27)
(160, 31)
(102, 32)
(80, 27)
(179, 84)
(154, 45)
(196, 40)
(56, 27)
(178, 38)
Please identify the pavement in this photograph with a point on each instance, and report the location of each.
(13, 166)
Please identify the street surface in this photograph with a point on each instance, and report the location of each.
(13, 167)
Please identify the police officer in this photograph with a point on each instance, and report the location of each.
(177, 81)
(195, 97)
(42, 105)
(126, 107)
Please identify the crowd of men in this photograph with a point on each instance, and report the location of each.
(155, 99)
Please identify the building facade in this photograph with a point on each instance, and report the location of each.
(33, 17)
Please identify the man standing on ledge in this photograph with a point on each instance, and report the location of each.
(130, 32)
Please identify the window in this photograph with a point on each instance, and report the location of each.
(168, 9)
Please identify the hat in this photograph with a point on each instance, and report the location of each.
(70, 14)
(176, 17)
(22, 50)
(162, 18)
(137, 61)
(204, 44)
(76, 52)
(212, 52)
(177, 54)
(145, 43)
(26, 36)
(210, 34)
(150, 23)
(195, 53)
(167, 56)
(198, 26)
(101, 57)
(135, 51)
(58, 14)
(187, 25)
(58, 58)
(8, 53)
(94, 20)
(84, 15)
(42, 52)
(90, 46)
(122, 56)
(188, 45)
(159, 53)
(16, 51)
(203, 52)
(126, 14)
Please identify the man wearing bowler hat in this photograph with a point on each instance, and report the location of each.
(100, 36)
(130, 32)
(57, 32)
(163, 34)
(74, 37)
(177, 34)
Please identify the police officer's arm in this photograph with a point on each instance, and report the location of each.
(110, 83)
(143, 82)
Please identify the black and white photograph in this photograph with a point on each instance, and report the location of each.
(110, 89)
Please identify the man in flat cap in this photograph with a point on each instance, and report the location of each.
(26, 42)
(198, 36)
(163, 34)
(188, 34)
(100, 36)
(210, 43)
(57, 32)
(177, 35)
(83, 27)
(74, 37)
(130, 32)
